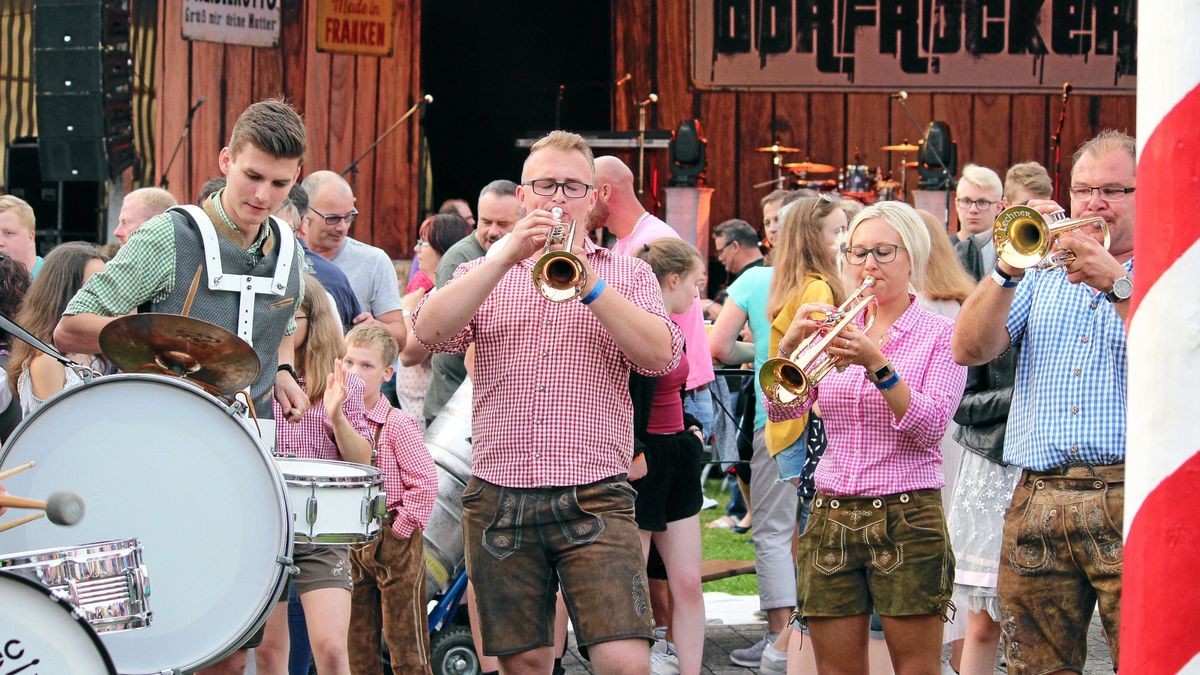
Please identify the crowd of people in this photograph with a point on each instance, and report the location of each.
(956, 476)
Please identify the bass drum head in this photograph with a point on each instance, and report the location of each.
(157, 459)
(44, 633)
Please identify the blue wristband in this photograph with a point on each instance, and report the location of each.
(595, 293)
(884, 385)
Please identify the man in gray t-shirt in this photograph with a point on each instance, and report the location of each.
(370, 270)
(498, 211)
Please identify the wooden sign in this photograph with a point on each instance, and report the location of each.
(254, 23)
(355, 27)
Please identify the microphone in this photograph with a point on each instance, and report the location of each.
(1067, 88)
(623, 79)
(900, 96)
(652, 98)
(427, 99)
(196, 106)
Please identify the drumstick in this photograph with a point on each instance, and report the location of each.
(5, 475)
(21, 521)
(21, 502)
(62, 508)
(191, 294)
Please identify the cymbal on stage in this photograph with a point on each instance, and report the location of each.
(169, 344)
(911, 165)
(808, 167)
(901, 147)
(776, 148)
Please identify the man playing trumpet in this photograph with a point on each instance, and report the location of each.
(1062, 547)
(548, 503)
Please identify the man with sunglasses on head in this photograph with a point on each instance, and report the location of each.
(1063, 549)
(548, 504)
(369, 268)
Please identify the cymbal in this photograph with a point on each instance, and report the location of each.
(911, 165)
(901, 147)
(808, 167)
(169, 344)
(776, 148)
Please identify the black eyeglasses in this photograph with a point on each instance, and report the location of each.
(1110, 193)
(981, 204)
(332, 219)
(884, 253)
(546, 187)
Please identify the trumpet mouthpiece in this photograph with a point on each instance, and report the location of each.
(868, 281)
(556, 213)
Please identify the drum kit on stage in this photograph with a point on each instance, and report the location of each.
(857, 181)
(188, 521)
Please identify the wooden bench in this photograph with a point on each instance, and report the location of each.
(712, 570)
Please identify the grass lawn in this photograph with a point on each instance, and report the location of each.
(725, 545)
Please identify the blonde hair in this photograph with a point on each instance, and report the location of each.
(801, 251)
(1030, 177)
(670, 256)
(322, 343)
(983, 178)
(913, 235)
(370, 336)
(21, 209)
(154, 199)
(566, 142)
(945, 278)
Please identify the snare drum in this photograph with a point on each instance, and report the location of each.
(42, 633)
(158, 459)
(857, 178)
(333, 503)
(106, 580)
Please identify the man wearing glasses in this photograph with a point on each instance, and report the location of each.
(1062, 548)
(548, 504)
(979, 199)
(737, 248)
(369, 268)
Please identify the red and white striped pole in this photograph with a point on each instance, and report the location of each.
(1160, 612)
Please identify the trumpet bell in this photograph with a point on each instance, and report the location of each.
(1025, 239)
(784, 381)
(559, 276)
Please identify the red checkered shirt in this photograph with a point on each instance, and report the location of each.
(312, 437)
(551, 403)
(410, 478)
(870, 452)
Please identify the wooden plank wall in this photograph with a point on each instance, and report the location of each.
(346, 101)
(651, 41)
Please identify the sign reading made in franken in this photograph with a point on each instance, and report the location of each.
(355, 26)
(968, 45)
(254, 23)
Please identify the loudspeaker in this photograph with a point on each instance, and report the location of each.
(83, 75)
(64, 211)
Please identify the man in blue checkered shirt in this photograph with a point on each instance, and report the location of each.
(1062, 549)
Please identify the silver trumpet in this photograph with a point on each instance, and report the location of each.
(559, 275)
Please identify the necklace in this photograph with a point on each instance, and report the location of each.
(629, 237)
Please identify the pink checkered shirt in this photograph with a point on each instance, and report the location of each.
(870, 453)
(551, 401)
(312, 437)
(410, 478)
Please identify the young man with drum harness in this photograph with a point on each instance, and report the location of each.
(249, 264)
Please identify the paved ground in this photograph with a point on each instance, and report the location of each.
(720, 639)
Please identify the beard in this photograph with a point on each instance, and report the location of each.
(598, 216)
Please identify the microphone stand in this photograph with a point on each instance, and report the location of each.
(187, 127)
(353, 168)
(936, 155)
(1056, 140)
(558, 101)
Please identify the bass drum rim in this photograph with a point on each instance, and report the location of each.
(196, 545)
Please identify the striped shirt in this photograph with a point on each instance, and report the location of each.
(409, 475)
(551, 404)
(1069, 400)
(871, 453)
(312, 437)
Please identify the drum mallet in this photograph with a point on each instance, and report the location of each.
(5, 475)
(61, 508)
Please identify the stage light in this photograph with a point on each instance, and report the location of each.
(937, 175)
(688, 155)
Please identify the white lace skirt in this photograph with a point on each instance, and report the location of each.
(976, 519)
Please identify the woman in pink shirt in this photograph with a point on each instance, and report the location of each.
(877, 532)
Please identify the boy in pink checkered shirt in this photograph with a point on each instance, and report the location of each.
(389, 573)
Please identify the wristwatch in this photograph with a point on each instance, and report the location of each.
(1121, 289)
(882, 374)
(289, 369)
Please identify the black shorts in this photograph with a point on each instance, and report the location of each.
(671, 489)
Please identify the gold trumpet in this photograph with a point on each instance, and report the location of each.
(788, 380)
(1025, 239)
(559, 275)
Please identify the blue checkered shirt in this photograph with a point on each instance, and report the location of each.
(1070, 396)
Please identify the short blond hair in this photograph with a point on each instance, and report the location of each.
(371, 336)
(1030, 177)
(21, 209)
(154, 199)
(566, 142)
(984, 179)
(908, 224)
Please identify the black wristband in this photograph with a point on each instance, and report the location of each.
(289, 369)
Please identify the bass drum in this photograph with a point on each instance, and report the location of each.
(43, 633)
(157, 459)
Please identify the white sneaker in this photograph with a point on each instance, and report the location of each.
(663, 660)
(708, 503)
(774, 662)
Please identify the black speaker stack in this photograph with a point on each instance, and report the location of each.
(83, 74)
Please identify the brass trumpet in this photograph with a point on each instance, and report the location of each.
(788, 380)
(559, 275)
(1025, 239)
